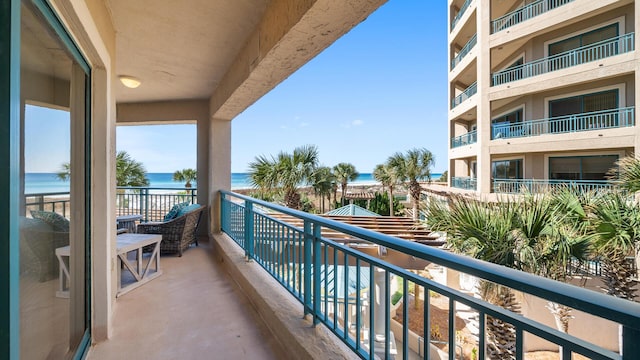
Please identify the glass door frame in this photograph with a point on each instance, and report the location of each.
(10, 178)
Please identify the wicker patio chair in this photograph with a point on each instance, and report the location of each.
(177, 234)
(39, 242)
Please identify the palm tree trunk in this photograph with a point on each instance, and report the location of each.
(391, 210)
(501, 336)
(618, 276)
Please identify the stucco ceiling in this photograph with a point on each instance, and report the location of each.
(179, 49)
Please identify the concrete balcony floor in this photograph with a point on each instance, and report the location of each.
(192, 311)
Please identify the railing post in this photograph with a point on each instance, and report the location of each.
(308, 243)
(317, 283)
(248, 230)
(146, 202)
(40, 200)
(630, 343)
(224, 213)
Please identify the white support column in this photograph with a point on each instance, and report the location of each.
(484, 107)
(637, 76)
(219, 167)
(380, 307)
(203, 142)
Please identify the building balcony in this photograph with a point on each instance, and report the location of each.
(466, 139)
(534, 186)
(464, 51)
(344, 283)
(458, 16)
(596, 120)
(525, 13)
(467, 93)
(593, 52)
(465, 183)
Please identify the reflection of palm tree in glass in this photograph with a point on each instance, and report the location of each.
(65, 172)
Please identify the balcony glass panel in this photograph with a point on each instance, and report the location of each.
(466, 139)
(584, 54)
(525, 13)
(466, 183)
(467, 93)
(596, 120)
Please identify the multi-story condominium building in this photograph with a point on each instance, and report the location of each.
(541, 92)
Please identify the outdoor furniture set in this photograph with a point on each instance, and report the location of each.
(45, 245)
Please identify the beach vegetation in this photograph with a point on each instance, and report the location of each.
(380, 204)
(412, 167)
(627, 174)
(324, 181)
(130, 172)
(285, 173)
(388, 177)
(344, 173)
(186, 176)
(444, 177)
(65, 171)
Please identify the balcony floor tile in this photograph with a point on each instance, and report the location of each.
(192, 311)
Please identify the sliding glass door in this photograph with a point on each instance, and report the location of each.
(44, 154)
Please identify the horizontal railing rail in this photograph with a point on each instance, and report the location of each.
(319, 271)
(464, 182)
(464, 51)
(58, 202)
(536, 186)
(592, 52)
(596, 120)
(525, 13)
(463, 9)
(467, 93)
(465, 139)
(151, 202)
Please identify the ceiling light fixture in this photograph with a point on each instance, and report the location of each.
(129, 81)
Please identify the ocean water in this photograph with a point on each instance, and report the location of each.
(49, 183)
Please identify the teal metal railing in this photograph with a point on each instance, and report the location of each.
(464, 51)
(525, 13)
(463, 9)
(534, 186)
(467, 93)
(347, 302)
(53, 201)
(465, 139)
(592, 52)
(464, 182)
(595, 120)
(152, 203)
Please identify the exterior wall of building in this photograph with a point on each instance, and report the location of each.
(530, 39)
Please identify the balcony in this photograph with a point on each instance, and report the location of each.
(533, 186)
(312, 269)
(464, 51)
(467, 93)
(456, 18)
(596, 120)
(593, 52)
(465, 183)
(525, 13)
(466, 139)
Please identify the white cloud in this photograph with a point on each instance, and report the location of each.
(353, 123)
(304, 124)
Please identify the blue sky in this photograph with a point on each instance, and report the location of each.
(380, 89)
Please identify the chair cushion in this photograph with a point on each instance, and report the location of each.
(173, 213)
(187, 209)
(55, 220)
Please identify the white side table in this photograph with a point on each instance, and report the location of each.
(142, 271)
(63, 271)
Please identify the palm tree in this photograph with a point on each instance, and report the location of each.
(130, 172)
(389, 179)
(533, 235)
(628, 173)
(411, 168)
(286, 172)
(186, 175)
(323, 181)
(617, 225)
(65, 172)
(344, 172)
